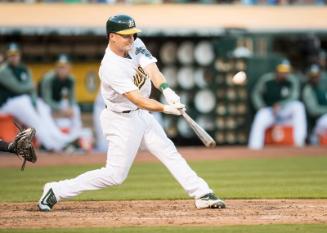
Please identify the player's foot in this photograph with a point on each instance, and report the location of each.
(209, 201)
(48, 198)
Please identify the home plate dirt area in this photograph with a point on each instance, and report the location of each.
(68, 214)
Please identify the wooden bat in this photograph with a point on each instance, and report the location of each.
(199, 131)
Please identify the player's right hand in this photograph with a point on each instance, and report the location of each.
(174, 109)
(171, 97)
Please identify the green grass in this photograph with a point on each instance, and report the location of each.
(297, 177)
(225, 229)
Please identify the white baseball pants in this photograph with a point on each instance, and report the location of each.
(101, 142)
(40, 118)
(292, 112)
(126, 132)
(320, 128)
(74, 123)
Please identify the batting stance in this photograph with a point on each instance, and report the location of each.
(126, 72)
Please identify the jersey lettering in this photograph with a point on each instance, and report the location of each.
(140, 77)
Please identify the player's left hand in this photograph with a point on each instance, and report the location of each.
(174, 109)
(171, 97)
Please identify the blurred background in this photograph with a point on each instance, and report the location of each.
(200, 46)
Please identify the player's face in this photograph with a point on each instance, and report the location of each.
(14, 59)
(63, 70)
(281, 76)
(124, 42)
(314, 78)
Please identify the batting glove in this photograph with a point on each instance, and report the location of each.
(174, 109)
(171, 97)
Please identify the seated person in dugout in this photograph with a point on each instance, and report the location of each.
(315, 100)
(57, 89)
(275, 97)
(101, 144)
(18, 98)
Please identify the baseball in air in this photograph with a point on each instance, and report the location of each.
(239, 78)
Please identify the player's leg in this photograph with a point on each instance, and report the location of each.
(47, 120)
(76, 120)
(157, 142)
(101, 142)
(320, 128)
(296, 111)
(22, 109)
(124, 133)
(263, 119)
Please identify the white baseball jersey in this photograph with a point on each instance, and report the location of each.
(120, 75)
(125, 132)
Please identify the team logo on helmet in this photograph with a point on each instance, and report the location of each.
(131, 23)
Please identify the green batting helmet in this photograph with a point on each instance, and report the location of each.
(121, 24)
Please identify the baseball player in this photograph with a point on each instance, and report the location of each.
(315, 100)
(57, 89)
(126, 72)
(275, 96)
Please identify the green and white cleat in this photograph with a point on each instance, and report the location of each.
(209, 201)
(48, 198)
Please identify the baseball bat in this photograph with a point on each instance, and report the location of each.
(199, 131)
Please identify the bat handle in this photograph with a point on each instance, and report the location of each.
(183, 111)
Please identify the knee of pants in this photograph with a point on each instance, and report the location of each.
(322, 122)
(296, 105)
(115, 176)
(262, 116)
(21, 102)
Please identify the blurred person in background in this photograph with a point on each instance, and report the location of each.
(322, 59)
(18, 98)
(101, 143)
(57, 89)
(275, 97)
(315, 100)
(2, 58)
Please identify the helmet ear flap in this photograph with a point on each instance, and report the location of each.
(135, 36)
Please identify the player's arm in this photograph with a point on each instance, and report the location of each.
(160, 83)
(47, 92)
(150, 104)
(11, 83)
(155, 75)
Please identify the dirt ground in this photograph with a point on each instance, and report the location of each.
(162, 213)
(70, 214)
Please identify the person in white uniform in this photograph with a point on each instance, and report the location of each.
(57, 89)
(18, 98)
(315, 100)
(275, 96)
(101, 144)
(126, 72)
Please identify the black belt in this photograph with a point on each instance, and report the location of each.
(126, 111)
